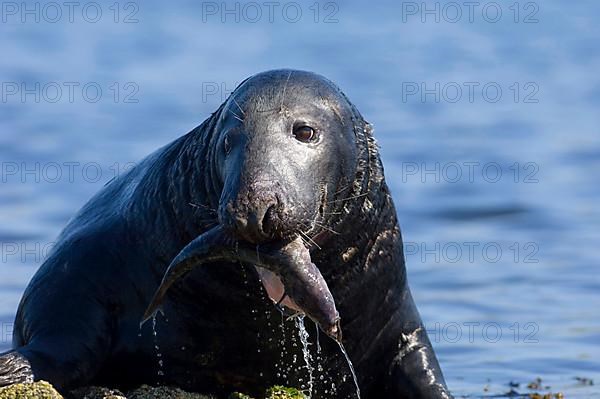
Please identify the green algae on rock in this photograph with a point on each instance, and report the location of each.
(35, 390)
(276, 392)
(279, 392)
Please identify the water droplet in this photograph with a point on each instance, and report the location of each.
(156, 347)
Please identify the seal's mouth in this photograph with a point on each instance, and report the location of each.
(285, 267)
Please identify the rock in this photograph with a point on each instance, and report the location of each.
(148, 392)
(43, 390)
(97, 393)
(35, 390)
(237, 395)
(143, 392)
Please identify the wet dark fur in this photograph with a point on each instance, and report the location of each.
(78, 321)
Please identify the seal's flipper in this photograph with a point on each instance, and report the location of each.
(414, 371)
(14, 369)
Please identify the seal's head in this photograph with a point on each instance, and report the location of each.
(285, 144)
(285, 150)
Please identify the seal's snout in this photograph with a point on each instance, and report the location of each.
(258, 224)
(254, 217)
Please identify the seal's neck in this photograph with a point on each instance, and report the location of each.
(367, 237)
(173, 193)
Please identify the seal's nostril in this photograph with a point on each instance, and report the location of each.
(268, 222)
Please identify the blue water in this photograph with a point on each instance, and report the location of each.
(503, 261)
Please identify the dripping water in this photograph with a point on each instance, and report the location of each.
(351, 368)
(318, 343)
(303, 334)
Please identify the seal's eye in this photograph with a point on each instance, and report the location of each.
(305, 134)
(227, 144)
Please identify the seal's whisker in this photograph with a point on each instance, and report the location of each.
(238, 105)
(303, 239)
(284, 88)
(325, 227)
(236, 116)
(308, 211)
(308, 238)
(352, 197)
(195, 205)
(344, 188)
